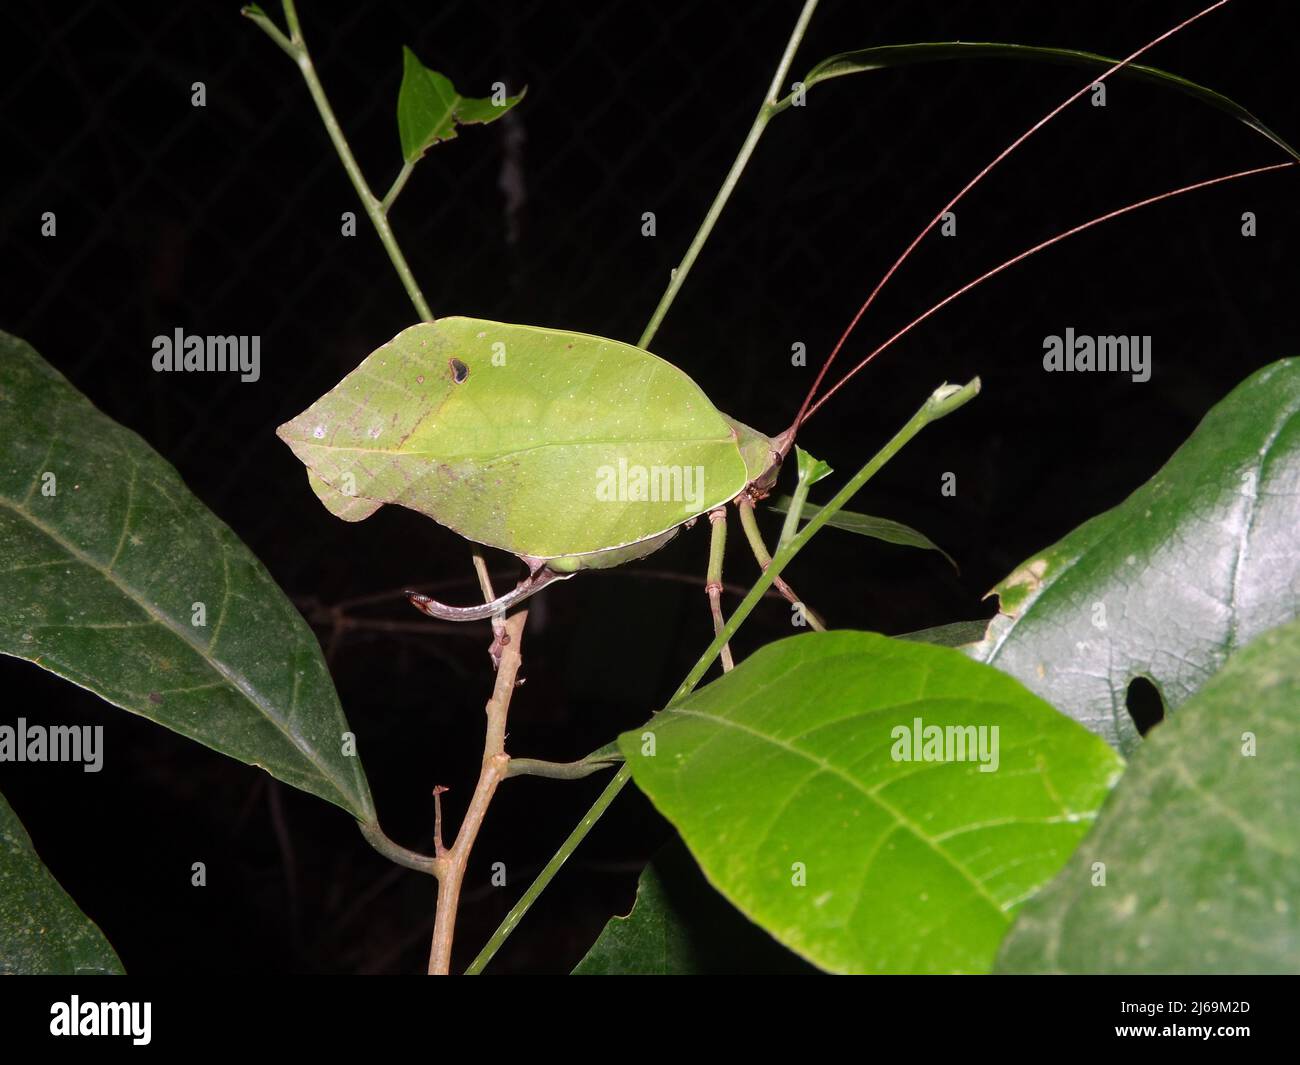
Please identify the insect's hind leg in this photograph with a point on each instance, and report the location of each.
(713, 582)
(755, 538)
(530, 585)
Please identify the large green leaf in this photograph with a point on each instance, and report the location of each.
(892, 532)
(897, 55)
(41, 930)
(429, 108)
(681, 926)
(101, 581)
(1199, 844)
(1192, 566)
(792, 766)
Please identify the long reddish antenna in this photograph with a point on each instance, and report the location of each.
(804, 408)
(1030, 251)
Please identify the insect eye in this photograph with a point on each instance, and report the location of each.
(459, 371)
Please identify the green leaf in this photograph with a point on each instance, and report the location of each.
(892, 532)
(810, 469)
(793, 766)
(1200, 843)
(954, 634)
(681, 926)
(41, 930)
(897, 55)
(429, 108)
(1191, 567)
(101, 582)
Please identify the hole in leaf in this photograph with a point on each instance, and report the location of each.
(1145, 705)
(459, 370)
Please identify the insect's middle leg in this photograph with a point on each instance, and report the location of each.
(713, 582)
(755, 538)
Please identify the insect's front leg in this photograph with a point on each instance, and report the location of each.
(713, 582)
(748, 522)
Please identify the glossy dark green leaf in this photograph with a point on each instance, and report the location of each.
(1191, 567)
(791, 781)
(429, 108)
(681, 926)
(892, 532)
(115, 577)
(1199, 844)
(41, 930)
(897, 55)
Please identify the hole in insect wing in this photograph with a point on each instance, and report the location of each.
(1145, 705)
(459, 371)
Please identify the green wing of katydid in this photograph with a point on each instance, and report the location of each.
(537, 441)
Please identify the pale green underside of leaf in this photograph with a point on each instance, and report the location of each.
(911, 866)
(429, 108)
(896, 55)
(42, 932)
(954, 634)
(527, 452)
(1191, 567)
(1200, 841)
(892, 532)
(98, 584)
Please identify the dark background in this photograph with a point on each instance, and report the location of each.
(226, 220)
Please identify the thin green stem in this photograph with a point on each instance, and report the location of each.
(558, 859)
(765, 112)
(398, 184)
(943, 401)
(791, 523)
(395, 852)
(584, 767)
(272, 30)
(296, 48)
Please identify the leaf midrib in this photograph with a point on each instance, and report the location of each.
(888, 808)
(231, 676)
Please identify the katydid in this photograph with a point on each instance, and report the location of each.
(572, 451)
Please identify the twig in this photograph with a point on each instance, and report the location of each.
(771, 106)
(295, 47)
(495, 766)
